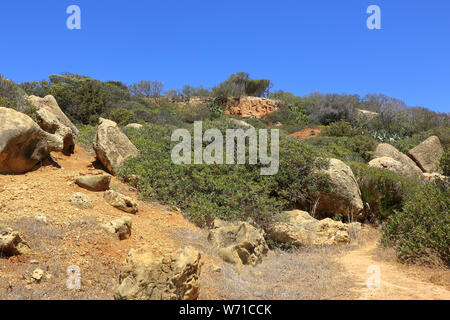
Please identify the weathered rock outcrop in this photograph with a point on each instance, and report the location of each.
(386, 150)
(111, 146)
(238, 243)
(366, 115)
(346, 196)
(49, 103)
(121, 201)
(428, 154)
(119, 228)
(148, 276)
(251, 107)
(11, 243)
(49, 123)
(298, 228)
(389, 164)
(23, 144)
(94, 183)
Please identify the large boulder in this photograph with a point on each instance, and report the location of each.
(49, 103)
(428, 154)
(50, 123)
(112, 146)
(409, 167)
(345, 199)
(23, 144)
(11, 243)
(150, 276)
(389, 164)
(298, 228)
(238, 243)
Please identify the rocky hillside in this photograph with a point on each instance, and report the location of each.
(74, 223)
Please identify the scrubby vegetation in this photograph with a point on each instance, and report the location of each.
(12, 96)
(416, 214)
(420, 231)
(383, 191)
(230, 192)
(445, 163)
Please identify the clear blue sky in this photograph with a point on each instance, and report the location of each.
(302, 46)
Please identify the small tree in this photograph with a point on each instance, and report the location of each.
(149, 89)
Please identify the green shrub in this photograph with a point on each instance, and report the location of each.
(215, 108)
(444, 163)
(383, 190)
(292, 116)
(421, 231)
(329, 108)
(341, 129)
(83, 99)
(230, 192)
(121, 116)
(86, 136)
(358, 148)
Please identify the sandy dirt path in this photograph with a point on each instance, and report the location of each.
(397, 282)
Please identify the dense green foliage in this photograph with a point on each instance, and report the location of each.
(444, 163)
(383, 190)
(230, 192)
(421, 230)
(293, 117)
(12, 96)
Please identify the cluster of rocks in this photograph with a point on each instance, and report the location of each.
(420, 161)
(120, 228)
(26, 143)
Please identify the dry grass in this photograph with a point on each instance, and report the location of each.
(306, 274)
(300, 274)
(98, 279)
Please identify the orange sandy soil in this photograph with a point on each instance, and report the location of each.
(73, 236)
(306, 133)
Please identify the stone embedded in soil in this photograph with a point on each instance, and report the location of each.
(121, 201)
(11, 243)
(37, 274)
(81, 201)
(120, 228)
(94, 183)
